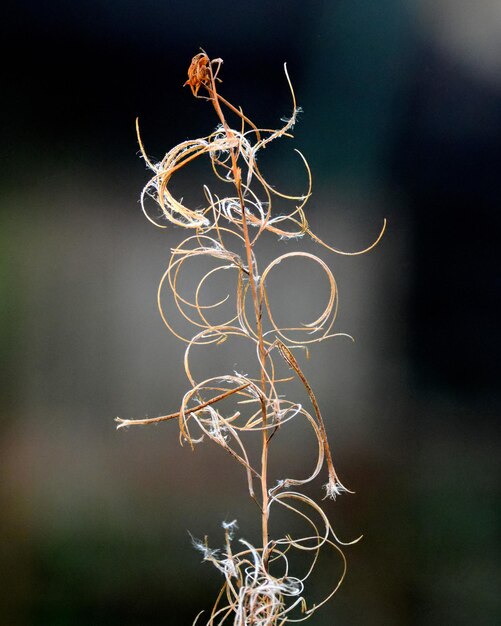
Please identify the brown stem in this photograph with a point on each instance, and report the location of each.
(258, 306)
(171, 416)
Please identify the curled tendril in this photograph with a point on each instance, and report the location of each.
(258, 588)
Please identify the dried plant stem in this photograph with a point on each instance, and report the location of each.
(257, 301)
(164, 418)
(258, 588)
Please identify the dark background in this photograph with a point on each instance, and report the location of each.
(402, 119)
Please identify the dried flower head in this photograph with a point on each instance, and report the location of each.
(200, 72)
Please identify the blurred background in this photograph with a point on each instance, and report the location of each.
(402, 119)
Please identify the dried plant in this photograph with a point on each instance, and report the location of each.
(258, 588)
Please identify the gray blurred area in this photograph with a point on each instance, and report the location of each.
(402, 120)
